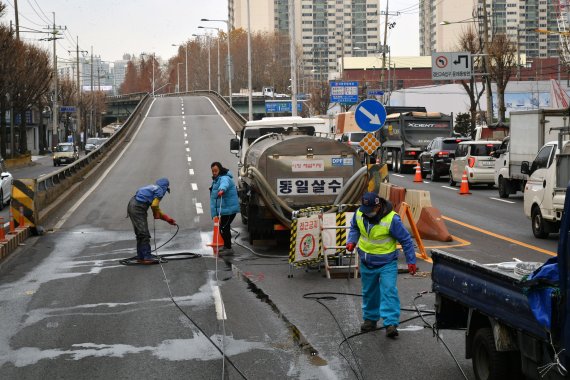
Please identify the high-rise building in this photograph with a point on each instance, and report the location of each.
(326, 30)
(442, 23)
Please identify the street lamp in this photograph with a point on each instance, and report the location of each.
(218, 39)
(178, 76)
(229, 56)
(209, 65)
(186, 63)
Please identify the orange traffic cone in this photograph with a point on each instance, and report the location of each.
(464, 189)
(22, 221)
(217, 240)
(418, 176)
(11, 216)
(2, 232)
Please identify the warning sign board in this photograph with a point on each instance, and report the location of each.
(369, 143)
(308, 243)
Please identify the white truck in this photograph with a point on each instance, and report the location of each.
(545, 189)
(529, 131)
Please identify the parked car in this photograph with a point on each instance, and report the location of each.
(436, 158)
(6, 181)
(65, 153)
(93, 143)
(474, 157)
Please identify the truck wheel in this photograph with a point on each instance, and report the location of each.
(433, 174)
(538, 224)
(396, 161)
(504, 188)
(488, 363)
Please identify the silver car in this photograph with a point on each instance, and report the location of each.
(475, 159)
(6, 181)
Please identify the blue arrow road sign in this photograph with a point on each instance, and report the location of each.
(370, 115)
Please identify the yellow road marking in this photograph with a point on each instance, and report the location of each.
(520, 243)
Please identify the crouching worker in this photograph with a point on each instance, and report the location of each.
(145, 197)
(377, 228)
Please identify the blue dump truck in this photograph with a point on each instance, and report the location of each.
(517, 322)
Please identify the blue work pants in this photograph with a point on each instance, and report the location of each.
(137, 212)
(380, 293)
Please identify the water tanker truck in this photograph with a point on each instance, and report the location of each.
(286, 164)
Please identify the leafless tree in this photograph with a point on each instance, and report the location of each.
(502, 52)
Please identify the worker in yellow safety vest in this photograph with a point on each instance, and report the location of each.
(377, 229)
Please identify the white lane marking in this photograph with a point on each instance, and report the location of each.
(426, 181)
(182, 112)
(223, 118)
(188, 150)
(189, 159)
(96, 184)
(502, 200)
(450, 188)
(183, 116)
(194, 186)
(185, 142)
(199, 209)
(183, 122)
(184, 128)
(191, 171)
(398, 175)
(185, 135)
(220, 311)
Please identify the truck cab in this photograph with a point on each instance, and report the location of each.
(544, 191)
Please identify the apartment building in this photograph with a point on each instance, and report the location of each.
(326, 30)
(442, 22)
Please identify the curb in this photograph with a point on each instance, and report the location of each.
(13, 241)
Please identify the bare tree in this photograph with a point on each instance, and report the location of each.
(469, 41)
(502, 52)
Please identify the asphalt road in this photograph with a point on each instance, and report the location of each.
(71, 311)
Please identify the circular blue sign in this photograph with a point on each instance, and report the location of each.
(370, 115)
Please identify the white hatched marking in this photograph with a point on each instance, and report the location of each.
(194, 186)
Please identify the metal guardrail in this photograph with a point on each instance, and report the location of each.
(50, 186)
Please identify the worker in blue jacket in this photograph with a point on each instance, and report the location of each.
(377, 228)
(145, 197)
(224, 202)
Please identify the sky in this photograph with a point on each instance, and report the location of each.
(116, 27)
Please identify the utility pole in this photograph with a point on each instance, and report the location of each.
(79, 92)
(384, 46)
(487, 60)
(91, 127)
(186, 69)
(17, 18)
(55, 84)
(293, 58)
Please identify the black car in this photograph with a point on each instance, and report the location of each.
(436, 159)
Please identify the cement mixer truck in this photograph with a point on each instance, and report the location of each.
(286, 164)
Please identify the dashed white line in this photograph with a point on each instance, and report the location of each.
(188, 150)
(398, 175)
(199, 209)
(183, 116)
(183, 122)
(502, 200)
(194, 186)
(191, 171)
(182, 112)
(189, 159)
(185, 135)
(450, 188)
(184, 128)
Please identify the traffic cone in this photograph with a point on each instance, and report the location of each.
(217, 240)
(418, 176)
(11, 216)
(2, 232)
(464, 189)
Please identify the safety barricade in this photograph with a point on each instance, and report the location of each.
(319, 235)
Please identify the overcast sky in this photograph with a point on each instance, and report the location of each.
(116, 27)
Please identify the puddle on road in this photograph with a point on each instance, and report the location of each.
(296, 335)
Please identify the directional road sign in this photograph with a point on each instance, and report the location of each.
(451, 66)
(370, 115)
(344, 92)
(281, 106)
(375, 92)
(68, 109)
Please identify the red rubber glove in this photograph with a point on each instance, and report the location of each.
(350, 247)
(412, 269)
(168, 220)
(220, 193)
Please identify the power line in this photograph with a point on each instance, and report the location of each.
(36, 12)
